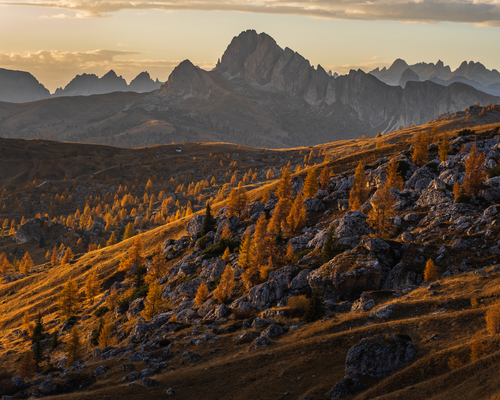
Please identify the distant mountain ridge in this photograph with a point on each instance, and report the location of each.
(471, 73)
(259, 94)
(20, 87)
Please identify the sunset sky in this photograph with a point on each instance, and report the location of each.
(55, 40)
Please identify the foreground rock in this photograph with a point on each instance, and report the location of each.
(379, 356)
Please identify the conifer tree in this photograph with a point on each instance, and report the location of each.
(129, 231)
(258, 254)
(112, 240)
(26, 367)
(382, 209)
(360, 191)
(105, 336)
(493, 319)
(111, 299)
(477, 348)
(54, 341)
(153, 303)
(420, 149)
(244, 252)
(158, 267)
(331, 248)
(310, 184)
(394, 179)
(315, 309)
(225, 288)
(227, 255)
(91, 287)
(36, 338)
(297, 217)
(226, 232)
(284, 189)
(68, 299)
(444, 147)
(431, 272)
(324, 177)
(74, 346)
(474, 172)
(55, 257)
(27, 324)
(281, 211)
(26, 264)
(68, 256)
(136, 255)
(201, 294)
(209, 224)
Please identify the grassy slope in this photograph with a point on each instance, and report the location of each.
(316, 352)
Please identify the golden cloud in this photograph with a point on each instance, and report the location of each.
(480, 12)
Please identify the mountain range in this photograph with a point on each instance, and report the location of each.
(22, 87)
(259, 94)
(473, 74)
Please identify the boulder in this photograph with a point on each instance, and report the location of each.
(313, 204)
(261, 296)
(301, 281)
(99, 371)
(272, 331)
(383, 313)
(97, 227)
(375, 245)
(318, 241)
(430, 197)
(190, 288)
(48, 386)
(148, 382)
(379, 356)
(30, 231)
(346, 276)
(402, 276)
(345, 388)
(135, 308)
(261, 341)
(351, 227)
(300, 243)
(420, 179)
(195, 224)
(213, 268)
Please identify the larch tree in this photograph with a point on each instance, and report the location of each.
(360, 191)
(26, 264)
(105, 335)
(74, 346)
(258, 254)
(129, 231)
(227, 255)
(245, 249)
(68, 256)
(394, 179)
(444, 146)
(281, 211)
(54, 257)
(158, 267)
(310, 184)
(284, 189)
(112, 240)
(225, 288)
(26, 367)
(136, 256)
(153, 303)
(493, 319)
(201, 294)
(475, 174)
(324, 177)
(297, 217)
(420, 149)
(91, 287)
(430, 272)
(36, 339)
(68, 299)
(382, 209)
(27, 324)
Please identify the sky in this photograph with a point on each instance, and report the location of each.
(57, 39)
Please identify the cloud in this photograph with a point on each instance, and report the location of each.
(56, 68)
(479, 12)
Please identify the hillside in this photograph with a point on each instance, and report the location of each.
(20, 87)
(253, 344)
(259, 94)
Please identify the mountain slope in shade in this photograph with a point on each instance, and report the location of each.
(143, 83)
(20, 87)
(259, 94)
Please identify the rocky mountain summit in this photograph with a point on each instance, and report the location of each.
(471, 73)
(90, 84)
(20, 87)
